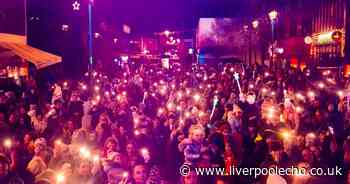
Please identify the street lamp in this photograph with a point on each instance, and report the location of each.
(255, 24)
(167, 33)
(273, 16)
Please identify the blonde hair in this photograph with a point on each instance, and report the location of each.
(193, 128)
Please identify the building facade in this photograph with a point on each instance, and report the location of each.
(328, 33)
(294, 24)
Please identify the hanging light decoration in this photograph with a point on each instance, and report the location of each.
(76, 6)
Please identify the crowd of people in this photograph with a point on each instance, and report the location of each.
(141, 124)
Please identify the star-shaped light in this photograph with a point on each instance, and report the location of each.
(76, 6)
(65, 27)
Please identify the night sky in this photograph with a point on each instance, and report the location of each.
(144, 16)
(155, 15)
(12, 16)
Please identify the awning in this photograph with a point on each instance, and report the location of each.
(17, 45)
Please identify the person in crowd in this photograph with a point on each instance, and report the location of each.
(39, 161)
(140, 173)
(6, 176)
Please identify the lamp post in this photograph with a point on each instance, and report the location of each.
(90, 38)
(255, 25)
(273, 16)
(248, 34)
(25, 21)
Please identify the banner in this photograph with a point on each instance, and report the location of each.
(220, 37)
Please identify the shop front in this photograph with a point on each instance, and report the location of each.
(327, 48)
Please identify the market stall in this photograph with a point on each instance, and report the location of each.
(15, 53)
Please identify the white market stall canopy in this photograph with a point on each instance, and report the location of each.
(16, 45)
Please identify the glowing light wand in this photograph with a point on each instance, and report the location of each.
(236, 76)
(144, 97)
(215, 101)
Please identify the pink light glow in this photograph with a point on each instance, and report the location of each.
(76, 6)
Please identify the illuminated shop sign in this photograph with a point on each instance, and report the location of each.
(329, 37)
